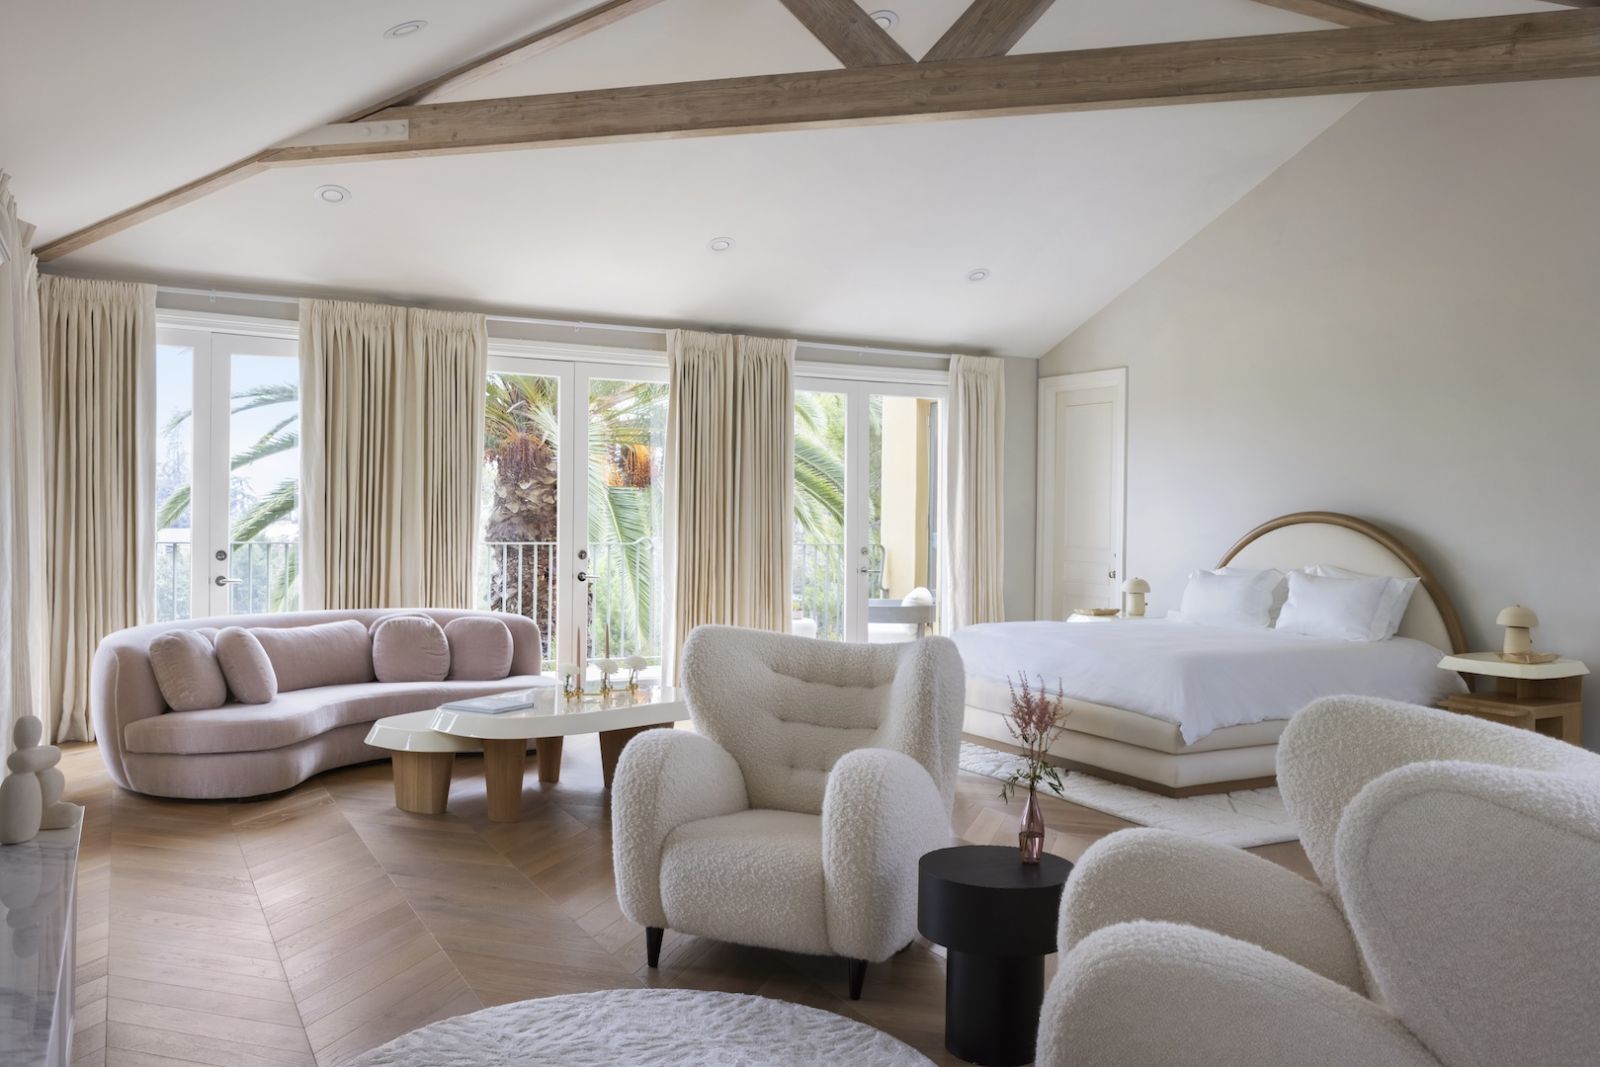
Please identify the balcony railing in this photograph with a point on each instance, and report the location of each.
(624, 586)
(817, 578)
(268, 573)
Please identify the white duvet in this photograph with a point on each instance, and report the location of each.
(1202, 678)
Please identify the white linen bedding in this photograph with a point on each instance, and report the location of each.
(1202, 678)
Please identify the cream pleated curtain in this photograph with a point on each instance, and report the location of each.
(391, 403)
(98, 345)
(973, 557)
(23, 674)
(730, 444)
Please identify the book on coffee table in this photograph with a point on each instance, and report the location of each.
(498, 704)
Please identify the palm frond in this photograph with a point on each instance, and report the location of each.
(277, 504)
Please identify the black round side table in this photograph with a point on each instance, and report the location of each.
(997, 918)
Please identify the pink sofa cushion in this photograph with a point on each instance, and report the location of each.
(246, 667)
(308, 657)
(410, 648)
(186, 671)
(480, 648)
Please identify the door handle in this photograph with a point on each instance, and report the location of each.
(224, 580)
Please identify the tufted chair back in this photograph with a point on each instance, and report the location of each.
(787, 708)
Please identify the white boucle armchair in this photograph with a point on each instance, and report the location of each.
(1460, 923)
(794, 818)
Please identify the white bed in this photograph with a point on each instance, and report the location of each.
(1184, 709)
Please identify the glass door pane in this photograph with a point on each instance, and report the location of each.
(520, 565)
(626, 429)
(818, 564)
(174, 504)
(262, 480)
(902, 516)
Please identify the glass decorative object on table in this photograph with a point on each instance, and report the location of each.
(1036, 721)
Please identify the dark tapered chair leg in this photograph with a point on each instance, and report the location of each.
(858, 975)
(652, 944)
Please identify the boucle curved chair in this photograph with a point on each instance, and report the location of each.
(795, 817)
(1460, 924)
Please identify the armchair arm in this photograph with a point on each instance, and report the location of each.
(665, 778)
(1336, 745)
(881, 812)
(1148, 994)
(1473, 892)
(1165, 877)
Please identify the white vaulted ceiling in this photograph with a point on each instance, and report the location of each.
(865, 233)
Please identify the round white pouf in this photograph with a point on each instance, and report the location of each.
(647, 1028)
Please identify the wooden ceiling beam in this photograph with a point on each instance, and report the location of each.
(522, 48)
(1350, 13)
(848, 32)
(1561, 44)
(988, 28)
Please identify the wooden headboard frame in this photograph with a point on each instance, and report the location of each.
(1397, 548)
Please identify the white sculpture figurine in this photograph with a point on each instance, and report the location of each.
(30, 797)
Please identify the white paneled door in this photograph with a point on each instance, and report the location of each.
(1082, 459)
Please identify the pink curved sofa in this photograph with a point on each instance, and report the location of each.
(247, 750)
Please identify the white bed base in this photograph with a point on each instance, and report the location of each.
(1125, 746)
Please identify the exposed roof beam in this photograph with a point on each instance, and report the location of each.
(1351, 13)
(848, 32)
(532, 44)
(1561, 44)
(988, 28)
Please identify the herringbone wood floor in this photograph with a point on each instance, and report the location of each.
(312, 926)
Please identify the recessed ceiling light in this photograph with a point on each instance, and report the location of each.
(885, 18)
(979, 275)
(721, 244)
(332, 194)
(405, 29)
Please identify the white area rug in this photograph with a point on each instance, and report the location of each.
(646, 1028)
(1244, 819)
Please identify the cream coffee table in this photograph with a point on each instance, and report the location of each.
(425, 742)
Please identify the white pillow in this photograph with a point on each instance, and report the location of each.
(1280, 592)
(1241, 601)
(1343, 608)
(1395, 599)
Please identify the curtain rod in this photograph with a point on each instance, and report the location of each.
(564, 323)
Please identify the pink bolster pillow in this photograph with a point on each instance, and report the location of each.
(309, 657)
(246, 666)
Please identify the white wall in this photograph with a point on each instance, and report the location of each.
(1402, 323)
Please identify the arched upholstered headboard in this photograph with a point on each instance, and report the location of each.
(1309, 537)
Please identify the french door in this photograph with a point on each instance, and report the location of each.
(572, 532)
(227, 485)
(867, 489)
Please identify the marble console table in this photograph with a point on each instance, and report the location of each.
(38, 925)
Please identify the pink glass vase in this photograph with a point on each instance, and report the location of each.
(1030, 832)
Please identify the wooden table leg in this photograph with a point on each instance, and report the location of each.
(612, 742)
(550, 759)
(422, 781)
(503, 762)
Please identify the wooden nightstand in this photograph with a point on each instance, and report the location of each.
(1547, 697)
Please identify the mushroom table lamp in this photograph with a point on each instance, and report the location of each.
(1519, 622)
(1135, 589)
